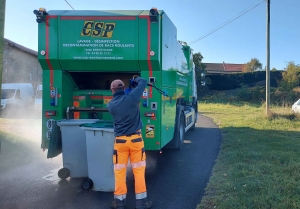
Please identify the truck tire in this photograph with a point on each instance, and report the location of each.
(179, 131)
(196, 115)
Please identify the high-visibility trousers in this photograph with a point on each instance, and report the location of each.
(131, 146)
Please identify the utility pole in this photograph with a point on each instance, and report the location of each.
(268, 60)
(2, 21)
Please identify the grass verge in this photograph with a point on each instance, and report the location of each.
(258, 165)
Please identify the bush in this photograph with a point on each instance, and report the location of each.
(243, 93)
(284, 98)
(254, 95)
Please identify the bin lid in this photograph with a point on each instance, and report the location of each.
(99, 124)
(75, 122)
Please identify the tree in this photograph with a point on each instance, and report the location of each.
(253, 65)
(197, 59)
(200, 70)
(290, 77)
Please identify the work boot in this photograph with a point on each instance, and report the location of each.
(143, 204)
(118, 204)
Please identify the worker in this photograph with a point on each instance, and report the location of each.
(129, 143)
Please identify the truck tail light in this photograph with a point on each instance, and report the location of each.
(50, 113)
(153, 14)
(149, 114)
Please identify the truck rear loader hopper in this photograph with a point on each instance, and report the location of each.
(82, 52)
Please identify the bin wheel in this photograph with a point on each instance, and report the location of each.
(87, 184)
(63, 173)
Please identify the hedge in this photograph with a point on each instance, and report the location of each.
(233, 81)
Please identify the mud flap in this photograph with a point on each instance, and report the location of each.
(173, 144)
(55, 143)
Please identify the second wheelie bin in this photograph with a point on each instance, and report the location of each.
(100, 146)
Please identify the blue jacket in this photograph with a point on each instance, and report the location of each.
(125, 110)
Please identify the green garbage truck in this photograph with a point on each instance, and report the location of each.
(81, 52)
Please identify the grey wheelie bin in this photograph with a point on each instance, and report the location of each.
(100, 146)
(73, 148)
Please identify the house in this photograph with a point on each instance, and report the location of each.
(20, 64)
(223, 68)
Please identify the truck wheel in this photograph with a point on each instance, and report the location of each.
(87, 184)
(63, 173)
(180, 132)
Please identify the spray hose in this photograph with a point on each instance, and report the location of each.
(133, 84)
(159, 90)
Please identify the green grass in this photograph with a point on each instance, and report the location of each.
(259, 164)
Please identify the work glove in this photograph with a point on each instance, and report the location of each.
(134, 77)
(133, 83)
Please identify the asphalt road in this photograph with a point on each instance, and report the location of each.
(175, 180)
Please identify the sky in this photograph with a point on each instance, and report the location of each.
(236, 42)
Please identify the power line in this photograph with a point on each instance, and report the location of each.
(226, 23)
(69, 4)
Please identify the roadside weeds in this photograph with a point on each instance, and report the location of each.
(258, 165)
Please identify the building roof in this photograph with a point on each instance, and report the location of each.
(23, 48)
(213, 68)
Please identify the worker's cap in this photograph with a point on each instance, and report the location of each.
(116, 84)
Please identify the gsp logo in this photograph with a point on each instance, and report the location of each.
(98, 29)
